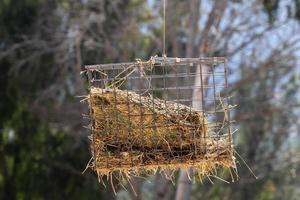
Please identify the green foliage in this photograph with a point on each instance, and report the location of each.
(37, 161)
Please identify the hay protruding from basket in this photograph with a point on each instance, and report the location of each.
(136, 134)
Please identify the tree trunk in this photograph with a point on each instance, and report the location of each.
(184, 187)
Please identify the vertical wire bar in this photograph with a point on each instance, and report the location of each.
(165, 92)
(227, 104)
(106, 121)
(92, 118)
(129, 122)
(107, 127)
(116, 154)
(154, 115)
(177, 92)
(215, 106)
(141, 121)
(193, 125)
(203, 107)
(214, 88)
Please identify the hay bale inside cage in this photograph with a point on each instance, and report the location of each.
(135, 131)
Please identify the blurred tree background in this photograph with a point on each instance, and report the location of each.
(45, 43)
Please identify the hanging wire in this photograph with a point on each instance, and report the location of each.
(164, 30)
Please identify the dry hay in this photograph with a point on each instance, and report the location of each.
(137, 134)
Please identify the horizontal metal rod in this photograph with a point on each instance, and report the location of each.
(183, 100)
(194, 100)
(203, 60)
(159, 61)
(178, 88)
(109, 66)
(210, 86)
(181, 75)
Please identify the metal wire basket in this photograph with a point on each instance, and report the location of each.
(164, 113)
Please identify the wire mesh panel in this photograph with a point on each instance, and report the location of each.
(166, 112)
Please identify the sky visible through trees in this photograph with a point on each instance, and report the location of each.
(45, 44)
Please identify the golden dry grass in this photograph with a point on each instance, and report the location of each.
(137, 134)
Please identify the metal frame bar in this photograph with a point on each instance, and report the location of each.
(159, 61)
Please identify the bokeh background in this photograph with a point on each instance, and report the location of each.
(44, 45)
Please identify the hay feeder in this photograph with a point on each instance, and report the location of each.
(160, 114)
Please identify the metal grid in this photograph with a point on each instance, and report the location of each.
(199, 83)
